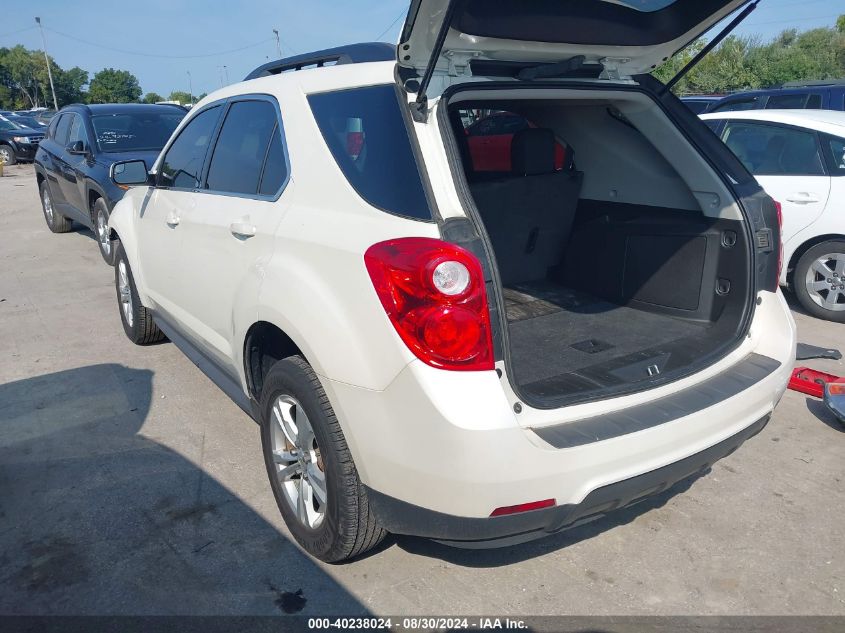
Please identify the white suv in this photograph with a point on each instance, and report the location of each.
(441, 342)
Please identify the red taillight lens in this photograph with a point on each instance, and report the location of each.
(523, 507)
(779, 208)
(433, 293)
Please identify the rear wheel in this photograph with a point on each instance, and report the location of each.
(819, 280)
(7, 155)
(56, 222)
(100, 212)
(311, 470)
(137, 320)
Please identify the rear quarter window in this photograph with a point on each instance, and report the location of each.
(366, 134)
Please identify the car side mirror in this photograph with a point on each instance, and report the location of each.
(77, 147)
(130, 172)
(834, 399)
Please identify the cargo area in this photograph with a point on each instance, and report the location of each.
(622, 260)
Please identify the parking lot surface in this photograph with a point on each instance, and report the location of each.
(129, 484)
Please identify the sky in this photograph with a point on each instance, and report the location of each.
(202, 44)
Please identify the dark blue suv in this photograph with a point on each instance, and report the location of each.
(810, 95)
(73, 161)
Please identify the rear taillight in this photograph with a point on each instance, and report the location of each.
(433, 293)
(779, 208)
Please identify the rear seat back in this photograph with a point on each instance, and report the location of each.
(529, 215)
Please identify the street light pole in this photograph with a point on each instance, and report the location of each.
(278, 43)
(47, 59)
(226, 72)
(190, 88)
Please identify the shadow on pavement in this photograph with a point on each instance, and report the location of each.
(519, 553)
(97, 519)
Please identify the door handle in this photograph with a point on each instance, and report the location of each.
(172, 220)
(802, 197)
(242, 229)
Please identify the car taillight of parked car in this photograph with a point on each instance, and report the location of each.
(433, 293)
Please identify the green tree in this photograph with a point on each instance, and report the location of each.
(20, 77)
(114, 86)
(152, 97)
(180, 96)
(840, 24)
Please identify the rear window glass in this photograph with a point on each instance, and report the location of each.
(774, 150)
(794, 101)
(736, 106)
(135, 131)
(367, 136)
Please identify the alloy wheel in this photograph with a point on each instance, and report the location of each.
(125, 291)
(299, 464)
(103, 232)
(5, 155)
(825, 281)
(47, 201)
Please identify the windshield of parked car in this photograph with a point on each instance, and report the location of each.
(5, 124)
(134, 131)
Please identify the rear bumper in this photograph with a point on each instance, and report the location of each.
(400, 517)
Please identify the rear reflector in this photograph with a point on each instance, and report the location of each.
(523, 507)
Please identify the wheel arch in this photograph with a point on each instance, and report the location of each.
(264, 345)
(803, 248)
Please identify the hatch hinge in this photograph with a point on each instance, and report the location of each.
(459, 61)
(611, 68)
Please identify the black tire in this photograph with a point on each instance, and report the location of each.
(56, 222)
(799, 283)
(105, 244)
(142, 330)
(349, 527)
(7, 154)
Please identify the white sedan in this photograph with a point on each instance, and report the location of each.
(798, 157)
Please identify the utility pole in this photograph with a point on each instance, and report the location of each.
(278, 43)
(190, 88)
(47, 59)
(220, 72)
(226, 72)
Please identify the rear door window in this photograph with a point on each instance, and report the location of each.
(182, 164)
(275, 170)
(794, 101)
(736, 105)
(241, 147)
(63, 128)
(773, 150)
(364, 130)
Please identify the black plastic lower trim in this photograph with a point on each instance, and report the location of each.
(401, 517)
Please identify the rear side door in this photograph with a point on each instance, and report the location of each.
(51, 158)
(230, 232)
(72, 179)
(179, 173)
(788, 163)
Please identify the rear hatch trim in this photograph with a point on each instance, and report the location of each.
(704, 395)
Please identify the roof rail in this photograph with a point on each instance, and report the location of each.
(351, 54)
(809, 84)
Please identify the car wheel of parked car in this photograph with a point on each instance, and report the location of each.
(819, 280)
(7, 155)
(137, 320)
(311, 470)
(101, 226)
(56, 222)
